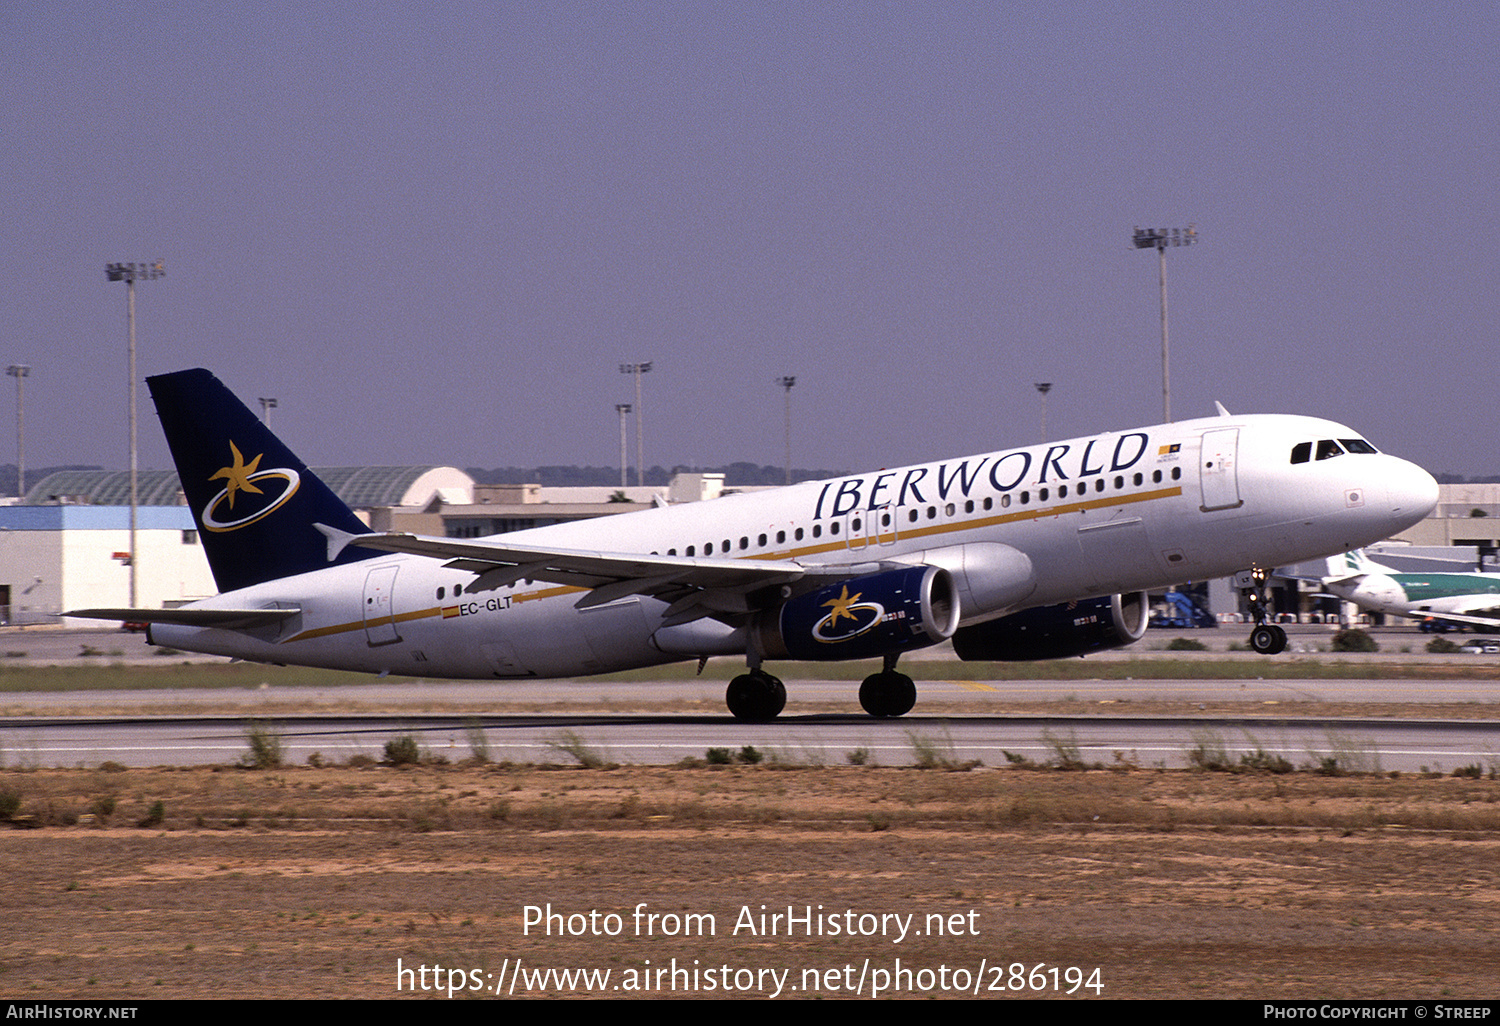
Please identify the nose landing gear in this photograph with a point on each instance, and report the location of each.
(1265, 638)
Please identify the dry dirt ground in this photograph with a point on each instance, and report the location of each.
(1125, 883)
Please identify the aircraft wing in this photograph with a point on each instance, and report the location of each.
(227, 618)
(696, 586)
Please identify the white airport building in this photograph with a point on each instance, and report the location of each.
(67, 546)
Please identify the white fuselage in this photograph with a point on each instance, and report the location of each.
(1475, 595)
(1117, 512)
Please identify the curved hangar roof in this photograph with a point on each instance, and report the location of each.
(359, 487)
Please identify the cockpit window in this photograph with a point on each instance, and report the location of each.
(1302, 452)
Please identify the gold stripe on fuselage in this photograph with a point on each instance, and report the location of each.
(810, 550)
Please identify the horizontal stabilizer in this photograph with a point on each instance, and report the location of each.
(230, 619)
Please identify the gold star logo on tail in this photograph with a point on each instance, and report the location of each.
(237, 475)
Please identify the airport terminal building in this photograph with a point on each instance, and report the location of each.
(67, 544)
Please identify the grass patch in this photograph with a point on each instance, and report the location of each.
(1186, 645)
(479, 745)
(403, 751)
(1066, 755)
(930, 752)
(1353, 640)
(265, 748)
(571, 744)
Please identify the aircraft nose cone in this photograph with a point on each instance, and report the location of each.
(1413, 492)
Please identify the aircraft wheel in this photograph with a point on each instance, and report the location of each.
(1268, 639)
(755, 697)
(885, 695)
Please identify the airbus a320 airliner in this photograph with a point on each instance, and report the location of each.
(1031, 553)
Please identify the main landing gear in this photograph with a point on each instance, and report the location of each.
(888, 693)
(757, 696)
(1265, 638)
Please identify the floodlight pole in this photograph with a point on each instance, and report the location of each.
(787, 382)
(267, 404)
(623, 409)
(129, 273)
(1044, 387)
(1159, 239)
(19, 371)
(640, 439)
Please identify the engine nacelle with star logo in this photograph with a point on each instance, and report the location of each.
(1056, 632)
(875, 615)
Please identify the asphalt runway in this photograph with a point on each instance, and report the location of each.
(964, 720)
(1354, 745)
(973, 726)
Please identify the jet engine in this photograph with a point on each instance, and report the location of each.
(1055, 632)
(875, 615)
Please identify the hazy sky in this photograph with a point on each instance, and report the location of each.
(434, 231)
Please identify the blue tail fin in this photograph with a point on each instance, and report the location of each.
(255, 503)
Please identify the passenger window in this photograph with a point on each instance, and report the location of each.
(1301, 452)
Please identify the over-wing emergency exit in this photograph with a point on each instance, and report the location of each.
(1031, 553)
